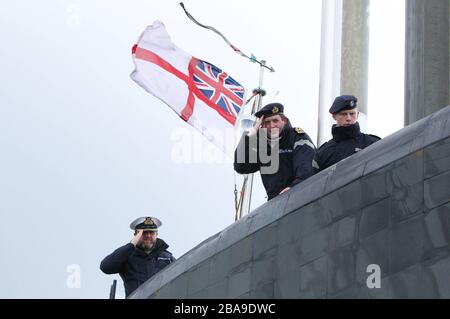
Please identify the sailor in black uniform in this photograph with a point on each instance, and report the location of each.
(347, 137)
(140, 259)
(281, 153)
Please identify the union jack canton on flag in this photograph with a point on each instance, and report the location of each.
(224, 92)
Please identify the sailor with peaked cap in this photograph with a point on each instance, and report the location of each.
(140, 259)
(347, 137)
(281, 153)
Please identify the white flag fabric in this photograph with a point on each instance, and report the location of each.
(199, 92)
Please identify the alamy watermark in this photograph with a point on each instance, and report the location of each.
(217, 146)
(374, 279)
(214, 147)
(74, 278)
(73, 20)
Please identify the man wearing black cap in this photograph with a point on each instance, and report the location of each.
(347, 137)
(140, 259)
(281, 153)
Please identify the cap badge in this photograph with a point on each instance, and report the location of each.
(148, 221)
(352, 103)
(275, 110)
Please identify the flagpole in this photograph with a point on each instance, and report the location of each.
(247, 187)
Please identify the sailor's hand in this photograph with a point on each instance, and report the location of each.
(284, 190)
(137, 237)
(256, 126)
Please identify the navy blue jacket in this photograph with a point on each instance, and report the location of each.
(296, 154)
(346, 141)
(134, 265)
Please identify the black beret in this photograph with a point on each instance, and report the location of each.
(343, 102)
(270, 110)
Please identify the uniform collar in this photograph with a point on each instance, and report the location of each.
(345, 132)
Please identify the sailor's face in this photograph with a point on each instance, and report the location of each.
(148, 239)
(346, 117)
(274, 125)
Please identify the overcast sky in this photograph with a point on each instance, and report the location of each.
(84, 150)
